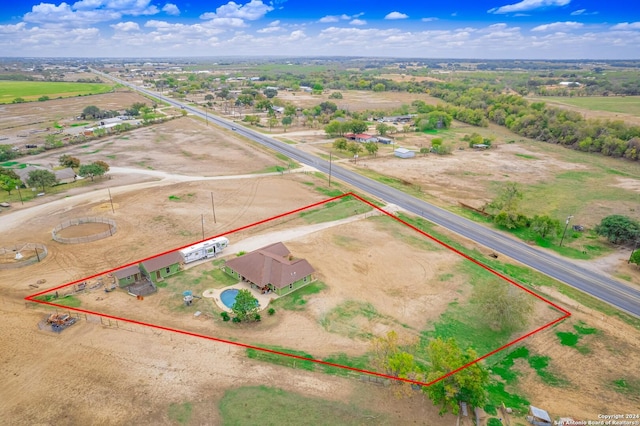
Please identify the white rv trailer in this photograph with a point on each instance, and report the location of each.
(204, 250)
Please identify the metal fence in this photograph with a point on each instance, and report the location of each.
(88, 238)
(30, 253)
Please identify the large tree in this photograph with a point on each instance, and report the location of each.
(8, 183)
(246, 306)
(468, 385)
(619, 229)
(41, 178)
(91, 111)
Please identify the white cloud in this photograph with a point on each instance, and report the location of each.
(429, 19)
(251, 11)
(578, 12)
(526, 5)
(558, 26)
(274, 23)
(126, 26)
(358, 22)
(337, 18)
(171, 9)
(329, 19)
(627, 26)
(396, 15)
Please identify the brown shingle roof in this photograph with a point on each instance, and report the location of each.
(126, 272)
(162, 261)
(271, 265)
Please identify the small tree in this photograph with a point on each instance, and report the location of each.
(270, 93)
(545, 225)
(383, 128)
(354, 147)
(102, 164)
(286, 121)
(69, 161)
(424, 150)
(335, 95)
(503, 306)
(635, 257)
(245, 306)
(92, 170)
(340, 144)
(41, 178)
(371, 147)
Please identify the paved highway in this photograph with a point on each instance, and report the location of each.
(600, 286)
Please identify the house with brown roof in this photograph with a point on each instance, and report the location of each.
(160, 267)
(128, 275)
(271, 268)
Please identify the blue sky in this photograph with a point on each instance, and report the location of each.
(491, 29)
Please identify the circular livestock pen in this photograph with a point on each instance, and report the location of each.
(84, 230)
(22, 254)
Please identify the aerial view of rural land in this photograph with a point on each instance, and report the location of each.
(285, 212)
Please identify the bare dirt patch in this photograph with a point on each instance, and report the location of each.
(83, 230)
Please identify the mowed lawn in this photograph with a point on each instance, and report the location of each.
(626, 104)
(33, 90)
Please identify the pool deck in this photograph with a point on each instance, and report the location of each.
(263, 299)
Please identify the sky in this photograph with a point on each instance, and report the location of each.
(478, 29)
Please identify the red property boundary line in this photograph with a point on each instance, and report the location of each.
(32, 298)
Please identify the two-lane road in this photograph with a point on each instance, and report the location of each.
(600, 286)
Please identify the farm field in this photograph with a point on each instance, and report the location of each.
(161, 179)
(33, 90)
(625, 108)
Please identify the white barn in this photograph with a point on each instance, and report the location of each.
(404, 153)
(204, 250)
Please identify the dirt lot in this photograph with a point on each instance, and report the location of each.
(93, 372)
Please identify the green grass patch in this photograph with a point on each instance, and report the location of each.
(253, 405)
(626, 104)
(180, 413)
(361, 362)
(32, 90)
(69, 301)
(627, 386)
(174, 198)
(9, 163)
(499, 395)
(78, 124)
(297, 300)
(527, 156)
(335, 210)
(567, 338)
(582, 328)
(281, 359)
(347, 319)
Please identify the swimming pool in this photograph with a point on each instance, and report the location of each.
(228, 297)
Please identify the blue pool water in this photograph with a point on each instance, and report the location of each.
(228, 297)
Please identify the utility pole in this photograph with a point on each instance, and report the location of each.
(20, 193)
(566, 225)
(111, 200)
(213, 207)
(635, 247)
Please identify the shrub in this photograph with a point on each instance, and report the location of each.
(225, 316)
(256, 317)
(271, 311)
(236, 319)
